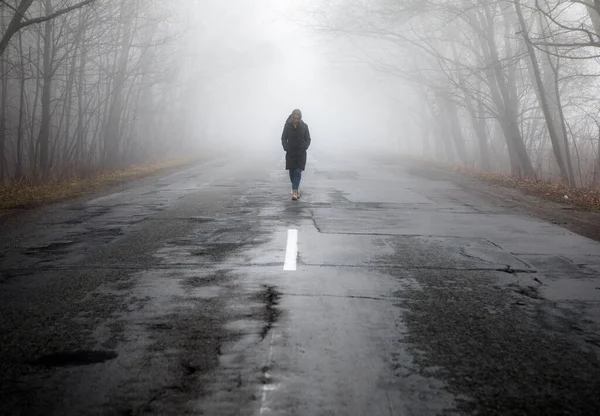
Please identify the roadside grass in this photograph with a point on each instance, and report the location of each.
(582, 198)
(28, 194)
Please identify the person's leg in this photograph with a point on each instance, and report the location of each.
(291, 172)
(297, 178)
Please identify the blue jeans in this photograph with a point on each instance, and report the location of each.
(295, 177)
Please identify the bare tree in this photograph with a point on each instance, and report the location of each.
(509, 70)
(553, 118)
(20, 21)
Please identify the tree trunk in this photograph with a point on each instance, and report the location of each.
(511, 95)
(482, 136)
(44, 136)
(503, 119)
(552, 85)
(553, 122)
(479, 126)
(3, 109)
(456, 132)
(68, 144)
(112, 132)
(80, 136)
(68, 109)
(18, 21)
(594, 13)
(598, 155)
(14, 24)
(509, 104)
(33, 143)
(557, 108)
(19, 162)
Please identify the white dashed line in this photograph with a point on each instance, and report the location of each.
(291, 251)
(266, 387)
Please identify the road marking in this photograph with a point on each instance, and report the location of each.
(266, 387)
(291, 251)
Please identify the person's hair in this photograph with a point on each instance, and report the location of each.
(297, 112)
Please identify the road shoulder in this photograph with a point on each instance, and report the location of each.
(582, 222)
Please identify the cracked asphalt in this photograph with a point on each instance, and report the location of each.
(412, 295)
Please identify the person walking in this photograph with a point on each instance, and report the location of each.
(295, 140)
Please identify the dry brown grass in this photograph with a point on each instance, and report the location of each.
(28, 195)
(584, 198)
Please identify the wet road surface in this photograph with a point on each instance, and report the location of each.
(381, 292)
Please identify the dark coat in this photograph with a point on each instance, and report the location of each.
(295, 142)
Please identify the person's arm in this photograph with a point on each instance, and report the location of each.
(284, 139)
(306, 138)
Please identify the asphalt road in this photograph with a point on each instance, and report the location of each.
(381, 292)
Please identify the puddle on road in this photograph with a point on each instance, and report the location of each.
(74, 358)
(58, 247)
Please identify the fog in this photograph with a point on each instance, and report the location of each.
(501, 86)
(273, 64)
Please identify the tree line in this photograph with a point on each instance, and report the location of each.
(89, 84)
(501, 85)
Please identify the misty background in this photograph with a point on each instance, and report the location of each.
(500, 86)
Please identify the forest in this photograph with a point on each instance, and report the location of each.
(508, 86)
(89, 85)
(503, 86)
